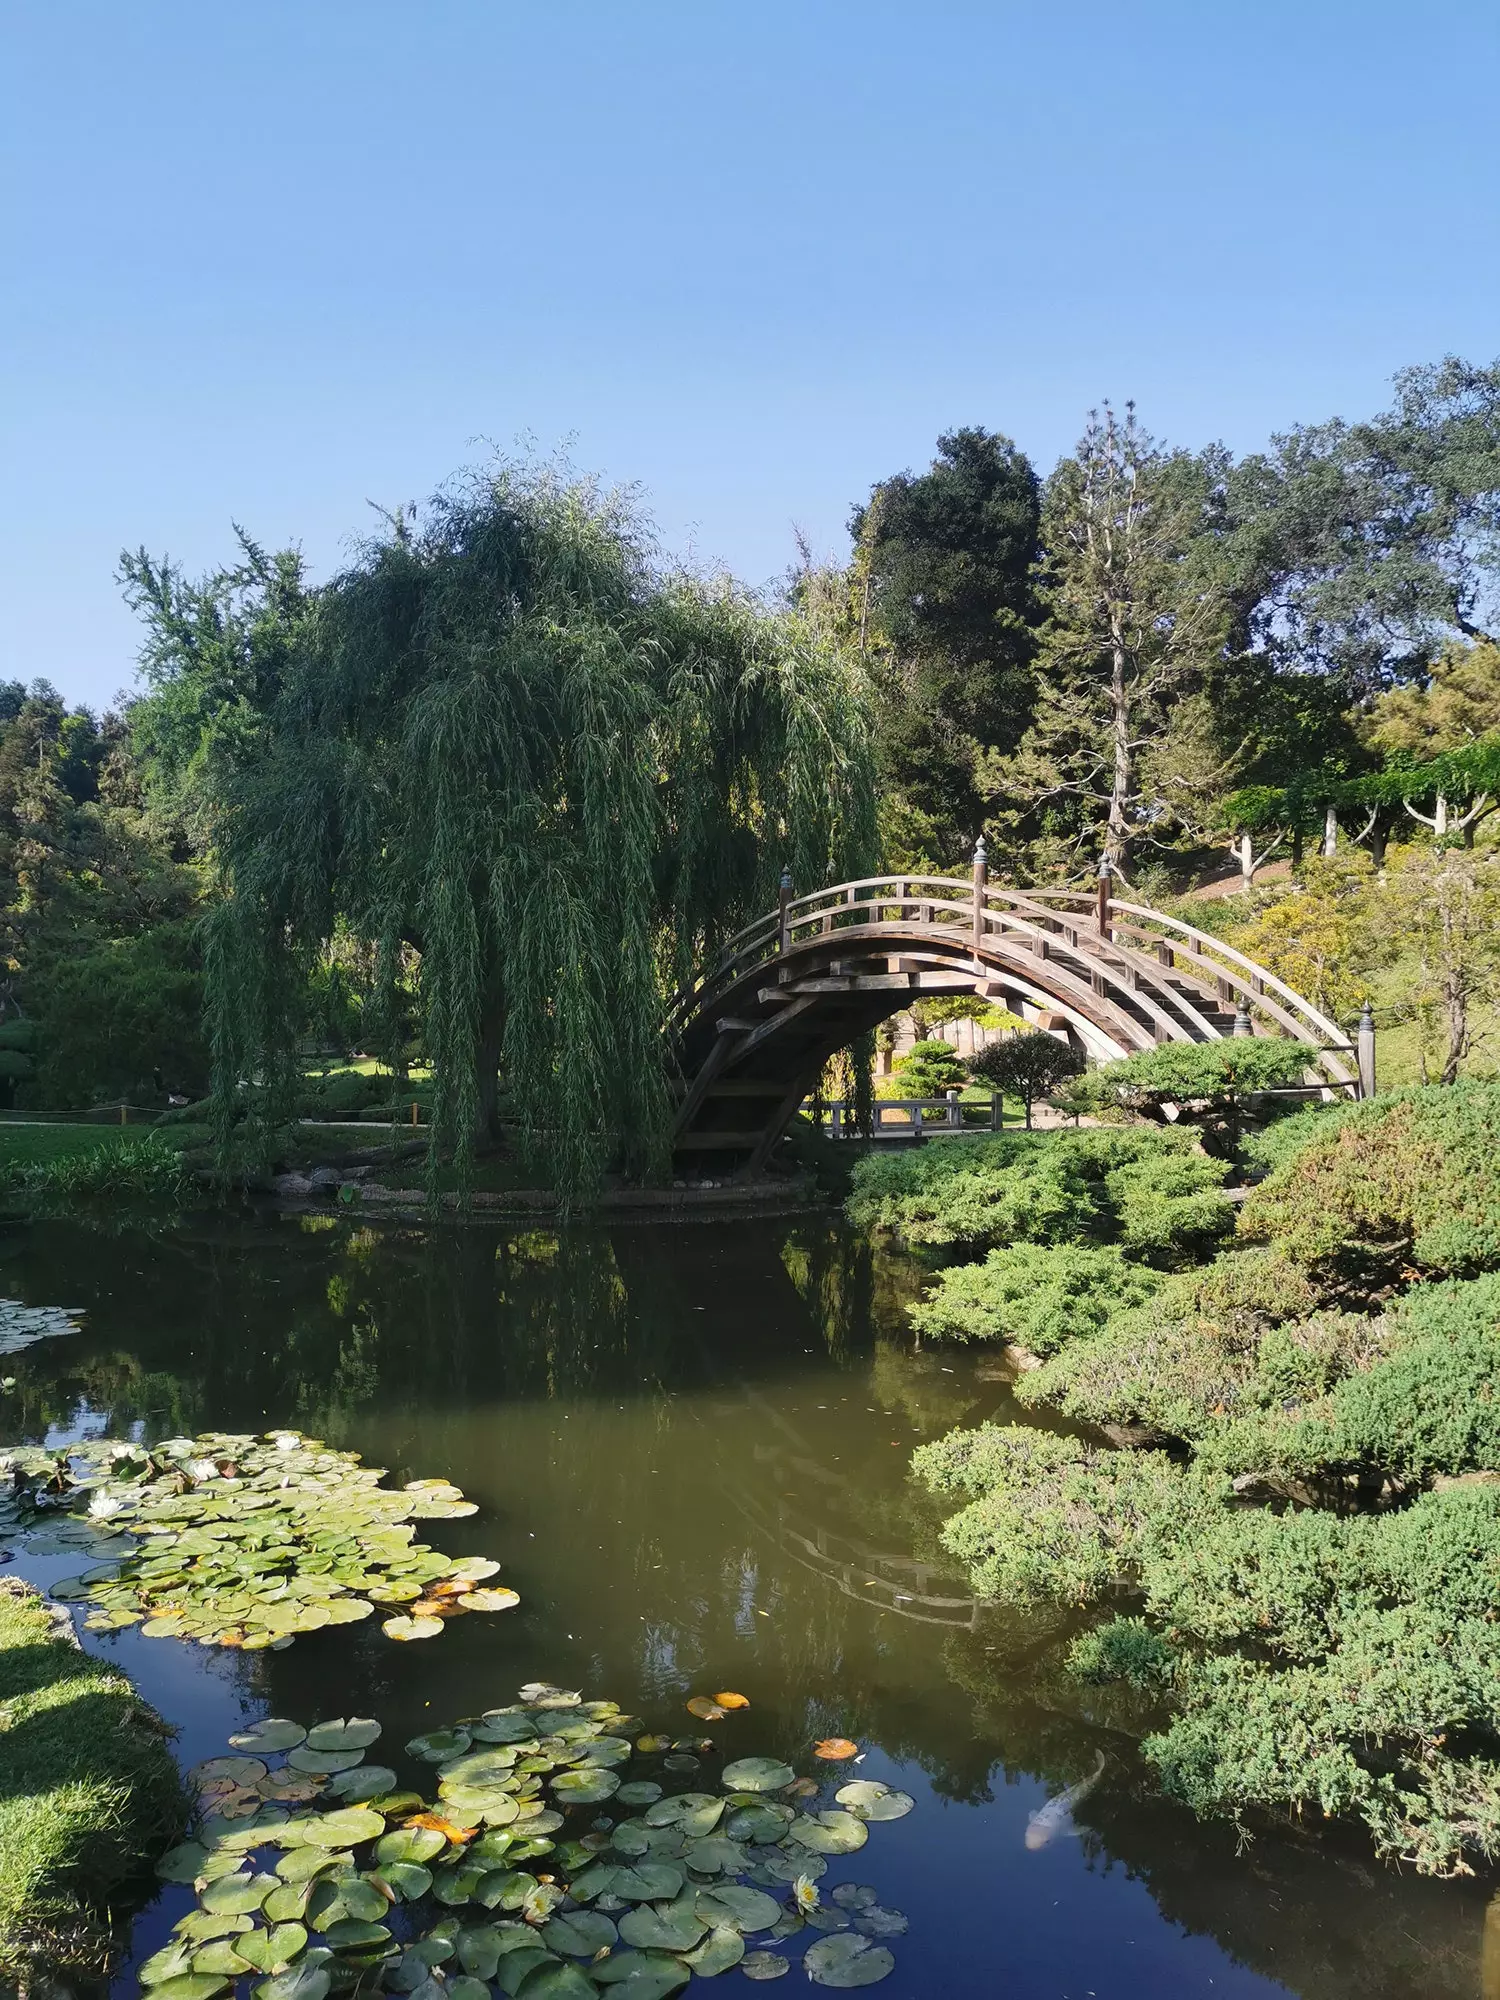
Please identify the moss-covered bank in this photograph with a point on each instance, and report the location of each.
(89, 1794)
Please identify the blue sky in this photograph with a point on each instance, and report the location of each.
(268, 262)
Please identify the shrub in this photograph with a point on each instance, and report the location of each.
(1028, 1066)
(1037, 1295)
(1144, 1187)
(1208, 1081)
(1413, 1177)
(1170, 1377)
(1126, 1649)
(930, 1069)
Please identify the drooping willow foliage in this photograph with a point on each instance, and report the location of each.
(508, 745)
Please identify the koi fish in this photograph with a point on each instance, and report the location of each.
(1055, 1817)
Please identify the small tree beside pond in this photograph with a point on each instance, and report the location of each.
(930, 1069)
(1207, 1082)
(1028, 1066)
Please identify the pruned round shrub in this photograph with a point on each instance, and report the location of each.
(1039, 1296)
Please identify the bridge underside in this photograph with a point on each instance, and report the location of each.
(804, 983)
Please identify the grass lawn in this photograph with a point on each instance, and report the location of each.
(30, 1144)
(89, 1795)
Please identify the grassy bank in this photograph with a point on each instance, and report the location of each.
(1294, 1562)
(89, 1795)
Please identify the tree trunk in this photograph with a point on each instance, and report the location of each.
(1330, 833)
(1247, 863)
(1117, 839)
(491, 1036)
(1455, 1002)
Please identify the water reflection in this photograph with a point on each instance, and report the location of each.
(689, 1446)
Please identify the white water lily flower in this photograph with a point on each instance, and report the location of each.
(285, 1440)
(104, 1505)
(203, 1468)
(805, 1895)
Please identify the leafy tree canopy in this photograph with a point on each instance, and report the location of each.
(504, 742)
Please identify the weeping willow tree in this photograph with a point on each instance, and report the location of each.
(506, 747)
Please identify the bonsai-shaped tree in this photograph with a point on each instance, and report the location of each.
(1208, 1082)
(1028, 1066)
(929, 1069)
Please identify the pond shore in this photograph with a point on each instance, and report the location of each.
(89, 1794)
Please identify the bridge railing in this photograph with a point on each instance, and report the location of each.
(1141, 965)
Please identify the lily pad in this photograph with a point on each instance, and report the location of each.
(641, 1975)
(355, 1732)
(674, 1926)
(411, 1843)
(412, 1628)
(490, 1600)
(364, 1781)
(438, 1746)
(324, 1762)
(190, 1986)
(715, 1856)
(868, 1799)
(272, 1950)
(237, 1894)
(517, 1966)
(732, 1906)
(757, 1774)
(877, 1922)
(302, 1982)
(765, 1965)
(829, 1832)
(639, 1792)
(585, 1788)
(200, 1926)
(183, 1863)
(722, 1949)
(579, 1934)
(846, 1960)
(409, 1880)
(345, 1828)
(171, 1962)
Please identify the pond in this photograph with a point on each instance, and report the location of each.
(689, 1445)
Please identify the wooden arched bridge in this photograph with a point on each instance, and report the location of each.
(1111, 976)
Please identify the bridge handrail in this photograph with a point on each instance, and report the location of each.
(1326, 1028)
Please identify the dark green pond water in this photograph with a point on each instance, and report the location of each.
(689, 1448)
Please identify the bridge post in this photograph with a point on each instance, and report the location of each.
(981, 878)
(1101, 896)
(786, 897)
(1365, 1046)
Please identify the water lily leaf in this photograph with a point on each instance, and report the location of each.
(757, 1774)
(462, 1987)
(715, 1856)
(411, 1843)
(855, 1896)
(504, 1888)
(641, 1975)
(489, 1600)
(847, 1960)
(639, 1792)
(878, 1922)
(829, 1833)
(505, 1725)
(765, 1965)
(514, 1967)
(473, 1569)
(351, 1932)
(407, 1878)
(557, 1981)
(588, 1787)
(170, 1963)
(681, 1761)
(345, 1828)
(287, 1903)
(494, 1764)
(368, 1781)
(720, 1950)
(868, 1799)
(651, 1744)
(302, 1982)
(706, 1710)
(199, 1926)
(354, 1732)
(237, 1893)
(189, 1986)
(439, 1745)
(696, 1813)
(412, 1628)
(835, 1749)
(304, 1863)
(732, 1701)
(732, 1906)
(67, 1589)
(324, 1762)
(674, 1926)
(360, 1898)
(648, 1882)
(238, 1770)
(348, 1610)
(579, 1934)
(761, 1825)
(272, 1950)
(183, 1863)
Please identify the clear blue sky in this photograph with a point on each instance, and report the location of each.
(268, 260)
